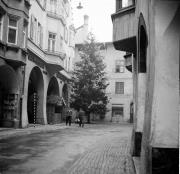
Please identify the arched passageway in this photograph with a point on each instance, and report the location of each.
(143, 49)
(140, 88)
(65, 99)
(9, 96)
(54, 103)
(35, 97)
(65, 93)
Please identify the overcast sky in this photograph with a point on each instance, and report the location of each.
(99, 12)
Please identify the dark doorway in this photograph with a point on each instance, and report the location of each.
(53, 98)
(35, 97)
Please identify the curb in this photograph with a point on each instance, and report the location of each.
(30, 130)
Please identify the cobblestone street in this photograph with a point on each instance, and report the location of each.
(111, 156)
(94, 149)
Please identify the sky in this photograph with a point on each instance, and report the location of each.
(99, 12)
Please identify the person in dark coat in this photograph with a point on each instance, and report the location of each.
(68, 117)
(81, 116)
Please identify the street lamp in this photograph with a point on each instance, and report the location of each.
(79, 6)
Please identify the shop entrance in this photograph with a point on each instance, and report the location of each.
(9, 94)
(35, 97)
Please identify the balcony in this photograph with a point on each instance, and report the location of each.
(53, 60)
(124, 34)
(13, 54)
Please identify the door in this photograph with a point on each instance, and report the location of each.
(117, 115)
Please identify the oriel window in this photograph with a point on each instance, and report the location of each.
(12, 30)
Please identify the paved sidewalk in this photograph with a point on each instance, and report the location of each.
(11, 132)
(109, 157)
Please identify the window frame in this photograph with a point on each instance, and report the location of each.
(53, 6)
(1, 26)
(12, 27)
(120, 65)
(24, 35)
(51, 40)
(119, 90)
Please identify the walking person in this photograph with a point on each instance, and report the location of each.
(68, 117)
(81, 118)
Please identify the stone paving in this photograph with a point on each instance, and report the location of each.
(94, 149)
(108, 157)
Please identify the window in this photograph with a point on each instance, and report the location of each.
(35, 30)
(119, 88)
(61, 42)
(66, 34)
(51, 42)
(124, 3)
(53, 4)
(32, 27)
(12, 30)
(24, 36)
(119, 66)
(39, 35)
(1, 26)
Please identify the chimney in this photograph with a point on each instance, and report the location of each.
(86, 19)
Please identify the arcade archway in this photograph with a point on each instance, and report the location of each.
(140, 88)
(65, 99)
(53, 105)
(9, 96)
(35, 97)
(65, 93)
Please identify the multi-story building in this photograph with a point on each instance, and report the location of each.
(150, 31)
(45, 55)
(51, 49)
(13, 54)
(120, 88)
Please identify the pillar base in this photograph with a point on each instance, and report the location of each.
(137, 144)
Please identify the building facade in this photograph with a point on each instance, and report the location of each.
(14, 16)
(149, 30)
(49, 50)
(120, 87)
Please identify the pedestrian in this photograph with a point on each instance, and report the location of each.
(68, 117)
(81, 118)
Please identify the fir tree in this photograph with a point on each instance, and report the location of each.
(89, 81)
